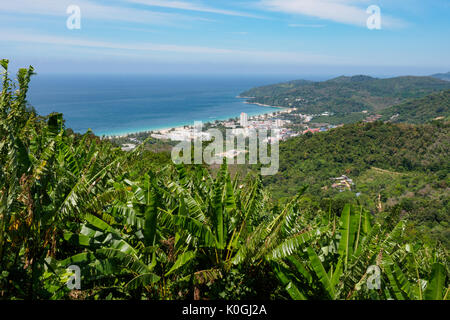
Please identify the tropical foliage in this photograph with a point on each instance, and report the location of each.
(140, 227)
(390, 165)
(344, 95)
(433, 106)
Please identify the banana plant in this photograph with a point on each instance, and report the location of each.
(309, 273)
(114, 259)
(207, 228)
(139, 230)
(47, 180)
(400, 286)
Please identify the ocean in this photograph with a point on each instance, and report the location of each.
(120, 104)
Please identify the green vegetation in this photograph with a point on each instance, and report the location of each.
(343, 118)
(345, 94)
(398, 163)
(140, 227)
(442, 76)
(433, 106)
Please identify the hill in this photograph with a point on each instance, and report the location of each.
(135, 226)
(354, 148)
(433, 106)
(389, 164)
(345, 94)
(442, 76)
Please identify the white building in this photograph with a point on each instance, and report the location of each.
(241, 131)
(244, 119)
(128, 146)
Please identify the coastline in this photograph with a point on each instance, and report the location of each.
(181, 126)
(265, 105)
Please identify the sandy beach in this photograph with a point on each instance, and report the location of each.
(180, 127)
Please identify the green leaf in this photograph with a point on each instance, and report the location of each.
(300, 268)
(151, 214)
(291, 245)
(190, 225)
(294, 292)
(218, 217)
(436, 284)
(319, 269)
(349, 224)
(79, 239)
(399, 283)
(281, 273)
(143, 280)
(78, 258)
(4, 63)
(181, 261)
(100, 224)
(337, 273)
(127, 260)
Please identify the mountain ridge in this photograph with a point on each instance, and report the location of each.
(442, 76)
(422, 110)
(345, 94)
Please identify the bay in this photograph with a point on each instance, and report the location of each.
(120, 104)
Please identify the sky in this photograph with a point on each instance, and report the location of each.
(302, 37)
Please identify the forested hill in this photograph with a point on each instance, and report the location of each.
(140, 227)
(390, 164)
(345, 94)
(433, 106)
(442, 76)
(352, 149)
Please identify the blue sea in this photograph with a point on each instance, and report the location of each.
(120, 104)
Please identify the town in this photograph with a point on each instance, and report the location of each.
(286, 123)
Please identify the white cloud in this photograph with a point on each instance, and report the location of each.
(296, 25)
(196, 53)
(343, 11)
(91, 10)
(181, 5)
(29, 37)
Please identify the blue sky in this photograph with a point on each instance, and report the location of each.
(309, 37)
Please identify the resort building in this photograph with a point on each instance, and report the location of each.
(244, 119)
(342, 183)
